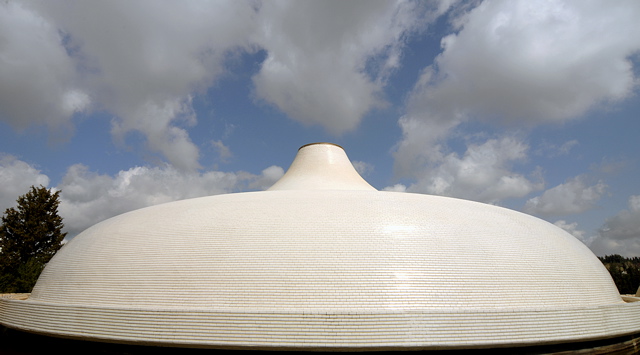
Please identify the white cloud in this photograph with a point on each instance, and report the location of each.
(156, 123)
(268, 177)
(16, 177)
(223, 151)
(38, 83)
(572, 228)
(483, 173)
(363, 168)
(150, 64)
(327, 62)
(571, 197)
(538, 61)
(519, 62)
(634, 203)
(421, 143)
(141, 61)
(88, 197)
(621, 233)
(396, 188)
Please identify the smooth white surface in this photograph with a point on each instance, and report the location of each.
(321, 166)
(325, 267)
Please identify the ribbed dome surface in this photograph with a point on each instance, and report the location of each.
(324, 261)
(278, 250)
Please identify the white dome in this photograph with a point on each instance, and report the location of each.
(324, 261)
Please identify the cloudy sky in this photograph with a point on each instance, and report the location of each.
(530, 105)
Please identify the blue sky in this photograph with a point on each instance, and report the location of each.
(527, 105)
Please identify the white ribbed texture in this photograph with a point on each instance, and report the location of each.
(325, 269)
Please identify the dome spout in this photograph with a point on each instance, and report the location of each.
(321, 166)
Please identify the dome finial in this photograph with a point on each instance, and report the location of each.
(321, 166)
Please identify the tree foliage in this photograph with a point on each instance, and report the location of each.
(624, 271)
(30, 235)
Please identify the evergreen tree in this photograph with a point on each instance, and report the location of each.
(30, 235)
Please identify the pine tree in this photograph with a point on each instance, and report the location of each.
(30, 235)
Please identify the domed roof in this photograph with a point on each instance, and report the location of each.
(324, 261)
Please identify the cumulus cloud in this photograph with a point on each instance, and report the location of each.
(327, 62)
(16, 177)
(363, 168)
(88, 197)
(542, 61)
(634, 203)
(621, 233)
(149, 65)
(155, 120)
(38, 83)
(143, 62)
(223, 151)
(572, 197)
(268, 177)
(520, 62)
(140, 61)
(484, 173)
(421, 143)
(572, 228)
